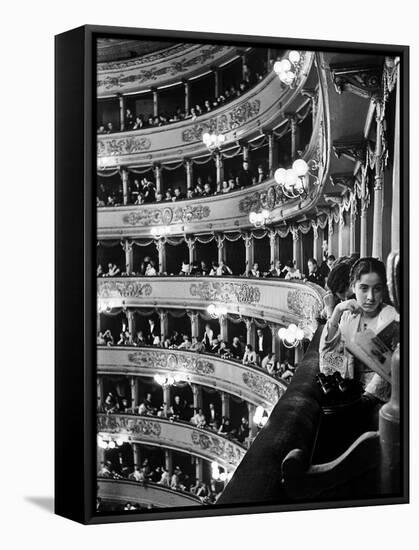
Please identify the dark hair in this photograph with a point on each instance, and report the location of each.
(331, 257)
(312, 260)
(339, 278)
(368, 265)
(290, 263)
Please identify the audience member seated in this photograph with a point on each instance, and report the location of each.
(254, 272)
(199, 419)
(269, 363)
(277, 270)
(196, 345)
(179, 409)
(113, 270)
(243, 430)
(220, 270)
(186, 344)
(225, 427)
(249, 357)
(288, 371)
(291, 271)
(236, 348)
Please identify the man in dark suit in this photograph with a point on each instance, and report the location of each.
(152, 332)
(213, 418)
(245, 177)
(263, 346)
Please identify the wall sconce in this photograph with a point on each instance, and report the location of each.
(259, 219)
(213, 141)
(216, 311)
(294, 181)
(289, 67)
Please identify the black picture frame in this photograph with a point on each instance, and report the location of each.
(75, 297)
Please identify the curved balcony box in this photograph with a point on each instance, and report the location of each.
(252, 384)
(273, 300)
(179, 436)
(162, 68)
(122, 491)
(260, 109)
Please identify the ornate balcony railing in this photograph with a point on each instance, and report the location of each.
(121, 491)
(179, 436)
(274, 300)
(261, 108)
(160, 68)
(252, 384)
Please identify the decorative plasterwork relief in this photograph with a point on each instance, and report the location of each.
(167, 215)
(117, 78)
(124, 289)
(263, 387)
(180, 363)
(239, 293)
(131, 425)
(304, 303)
(128, 145)
(226, 451)
(270, 198)
(224, 122)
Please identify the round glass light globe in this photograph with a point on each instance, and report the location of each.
(300, 166)
(279, 175)
(277, 67)
(291, 178)
(294, 56)
(252, 217)
(285, 65)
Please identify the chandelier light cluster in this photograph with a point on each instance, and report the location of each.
(294, 181)
(259, 219)
(160, 231)
(170, 379)
(287, 69)
(291, 336)
(216, 311)
(111, 443)
(217, 475)
(260, 417)
(213, 141)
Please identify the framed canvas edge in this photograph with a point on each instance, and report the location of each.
(86, 514)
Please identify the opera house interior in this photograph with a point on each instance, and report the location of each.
(247, 275)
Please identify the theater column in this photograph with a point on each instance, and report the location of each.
(136, 451)
(363, 228)
(377, 237)
(121, 99)
(274, 248)
(295, 137)
(220, 247)
(193, 316)
(352, 225)
(164, 331)
(158, 176)
(330, 227)
(224, 327)
(249, 243)
(297, 248)
(187, 96)
(155, 102)
(99, 392)
(245, 68)
(98, 322)
(167, 396)
(134, 392)
(395, 208)
(161, 249)
(127, 246)
(125, 188)
(317, 243)
(250, 332)
(273, 154)
(131, 322)
(192, 249)
(168, 461)
(199, 468)
(197, 396)
(276, 342)
(189, 173)
(219, 167)
(245, 152)
(225, 404)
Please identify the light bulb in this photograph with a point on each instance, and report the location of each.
(111, 444)
(300, 166)
(279, 175)
(285, 65)
(265, 214)
(282, 333)
(252, 217)
(206, 138)
(277, 67)
(294, 56)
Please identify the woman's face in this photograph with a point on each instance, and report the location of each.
(369, 293)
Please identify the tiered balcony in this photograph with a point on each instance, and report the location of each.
(251, 384)
(178, 436)
(123, 491)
